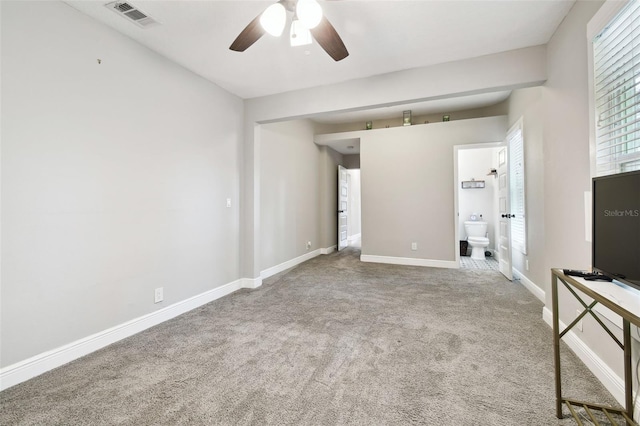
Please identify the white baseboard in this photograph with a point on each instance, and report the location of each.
(610, 380)
(250, 282)
(41, 363)
(288, 264)
(410, 261)
(529, 285)
(328, 250)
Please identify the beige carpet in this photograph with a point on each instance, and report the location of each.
(331, 342)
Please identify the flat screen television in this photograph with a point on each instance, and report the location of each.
(616, 227)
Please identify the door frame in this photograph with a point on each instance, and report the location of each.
(456, 193)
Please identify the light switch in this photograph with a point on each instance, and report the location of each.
(228, 202)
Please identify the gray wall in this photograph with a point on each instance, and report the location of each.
(298, 184)
(407, 178)
(556, 133)
(490, 111)
(566, 142)
(330, 159)
(351, 161)
(103, 197)
(290, 191)
(518, 68)
(567, 166)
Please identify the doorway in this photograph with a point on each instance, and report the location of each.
(349, 209)
(354, 225)
(477, 203)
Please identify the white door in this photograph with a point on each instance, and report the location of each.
(343, 196)
(504, 207)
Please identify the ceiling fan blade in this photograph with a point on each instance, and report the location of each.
(328, 38)
(248, 36)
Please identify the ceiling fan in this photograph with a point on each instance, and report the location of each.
(308, 20)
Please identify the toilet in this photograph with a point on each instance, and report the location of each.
(477, 237)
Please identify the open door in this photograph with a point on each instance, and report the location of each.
(343, 196)
(504, 207)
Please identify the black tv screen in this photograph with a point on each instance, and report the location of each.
(616, 227)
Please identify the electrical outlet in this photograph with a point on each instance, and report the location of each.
(414, 246)
(526, 264)
(228, 202)
(158, 295)
(579, 324)
(308, 245)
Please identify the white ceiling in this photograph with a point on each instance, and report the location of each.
(381, 36)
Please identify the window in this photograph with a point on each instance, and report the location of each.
(517, 188)
(616, 71)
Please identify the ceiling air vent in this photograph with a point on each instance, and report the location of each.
(132, 13)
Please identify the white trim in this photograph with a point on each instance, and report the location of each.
(250, 282)
(596, 24)
(521, 246)
(328, 250)
(41, 363)
(530, 285)
(289, 264)
(409, 261)
(603, 17)
(610, 380)
(354, 237)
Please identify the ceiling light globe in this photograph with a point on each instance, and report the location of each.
(309, 13)
(273, 19)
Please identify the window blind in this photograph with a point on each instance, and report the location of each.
(517, 188)
(616, 54)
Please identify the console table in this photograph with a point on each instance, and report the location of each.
(621, 300)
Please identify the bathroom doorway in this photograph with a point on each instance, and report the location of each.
(476, 203)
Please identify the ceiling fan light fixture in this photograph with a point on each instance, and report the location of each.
(273, 19)
(309, 13)
(300, 34)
